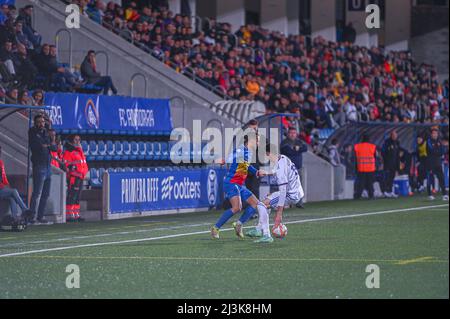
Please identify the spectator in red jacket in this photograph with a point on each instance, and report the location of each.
(77, 170)
(11, 194)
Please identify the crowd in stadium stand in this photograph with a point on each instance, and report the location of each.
(329, 84)
(26, 63)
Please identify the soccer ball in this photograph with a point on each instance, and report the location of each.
(279, 231)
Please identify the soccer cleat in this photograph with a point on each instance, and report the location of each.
(238, 229)
(264, 240)
(387, 195)
(393, 195)
(254, 233)
(215, 232)
(431, 197)
(445, 198)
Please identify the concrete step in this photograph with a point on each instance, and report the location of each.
(91, 215)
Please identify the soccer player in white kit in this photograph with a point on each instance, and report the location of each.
(290, 192)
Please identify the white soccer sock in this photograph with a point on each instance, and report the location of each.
(264, 219)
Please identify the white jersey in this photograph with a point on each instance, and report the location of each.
(286, 174)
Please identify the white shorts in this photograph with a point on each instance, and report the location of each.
(291, 199)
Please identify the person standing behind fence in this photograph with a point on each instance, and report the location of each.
(77, 170)
(365, 153)
(293, 148)
(41, 144)
(436, 151)
(391, 162)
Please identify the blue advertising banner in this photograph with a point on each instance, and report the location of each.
(158, 191)
(101, 112)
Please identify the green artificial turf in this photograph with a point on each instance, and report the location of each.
(318, 259)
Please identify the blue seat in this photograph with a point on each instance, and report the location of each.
(93, 151)
(118, 151)
(110, 151)
(101, 171)
(175, 154)
(101, 153)
(165, 156)
(85, 147)
(94, 179)
(126, 151)
(149, 151)
(142, 151)
(157, 155)
(134, 151)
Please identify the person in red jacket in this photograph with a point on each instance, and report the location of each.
(77, 170)
(11, 194)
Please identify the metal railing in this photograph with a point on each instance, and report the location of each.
(57, 38)
(196, 23)
(106, 55)
(134, 77)
(183, 101)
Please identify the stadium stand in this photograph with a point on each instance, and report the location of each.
(329, 84)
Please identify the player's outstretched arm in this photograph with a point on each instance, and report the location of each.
(279, 215)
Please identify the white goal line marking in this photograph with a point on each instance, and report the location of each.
(207, 232)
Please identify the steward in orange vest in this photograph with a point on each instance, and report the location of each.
(77, 170)
(365, 153)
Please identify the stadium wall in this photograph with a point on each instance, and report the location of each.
(318, 179)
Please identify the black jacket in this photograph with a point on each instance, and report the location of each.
(24, 66)
(46, 64)
(88, 73)
(391, 155)
(5, 55)
(294, 151)
(40, 154)
(435, 151)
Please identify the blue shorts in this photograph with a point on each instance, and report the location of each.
(232, 190)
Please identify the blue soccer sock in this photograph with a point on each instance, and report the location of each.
(249, 212)
(224, 218)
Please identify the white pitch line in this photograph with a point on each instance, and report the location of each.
(57, 240)
(207, 232)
